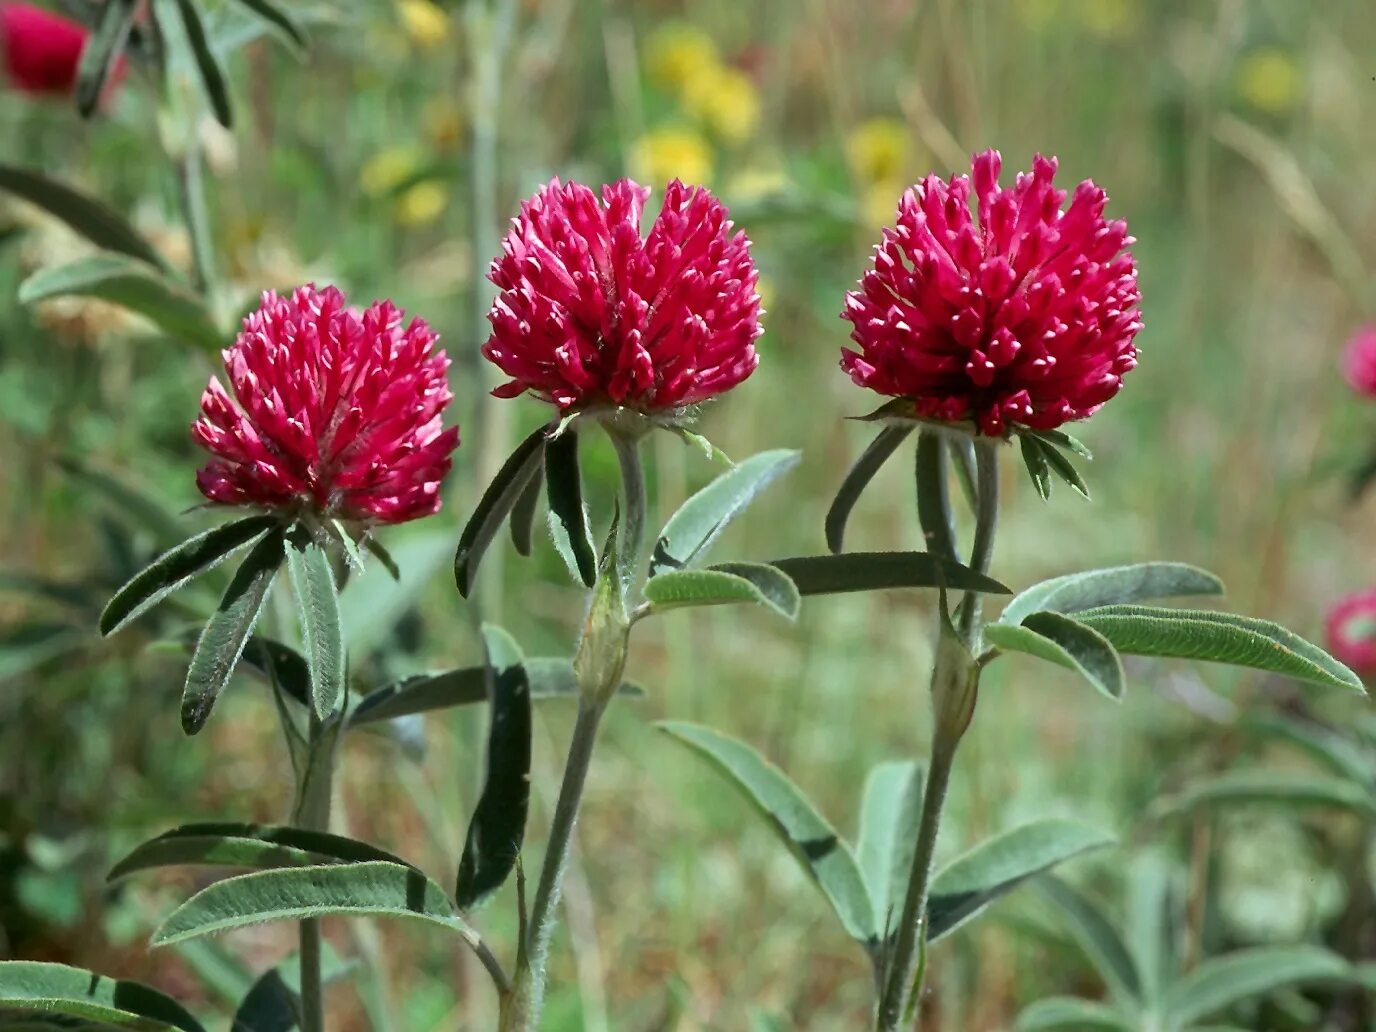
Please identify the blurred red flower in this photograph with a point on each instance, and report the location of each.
(590, 313)
(1359, 361)
(1351, 628)
(41, 50)
(338, 412)
(1020, 314)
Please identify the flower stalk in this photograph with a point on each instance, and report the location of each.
(955, 688)
(311, 810)
(598, 665)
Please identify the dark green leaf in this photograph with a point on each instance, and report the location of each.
(522, 521)
(134, 285)
(207, 64)
(1034, 458)
(874, 571)
(1098, 940)
(273, 1002)
(1220, 982)
(1068, 1014)
(317, 604)
(999, 865)
(859, 477)
(814, 842)
(933, 479)
(691, 530)
(723, 585)
(962, 452)
(499, 821)
(102, 52)
(282, 664)
(275, 16)
(379, 552)
(564, 489)
(175, 568)
(222, 844)
(1064, 469)
(1283, 788)
(372, 889)
(1111, 586)
(494, 507)
(889, 814)
(227, 632)
(1065, 642)
(74, 992)
(93, 219)
(1219, 638)
(1062, 440)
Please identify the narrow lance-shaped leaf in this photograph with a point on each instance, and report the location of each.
(523, 516)
(207, 64)
(273, 1002)
(1220, 982)
(102, 52)
(691, 530)
(93, 219)
(317, 603)
(1271, 787)
(1116, 584)
(224, 844)
(998, 866)
(498, 827)
(179, 566)
(1097, 938)
(1065, 642)
(277, 17)
(1340, 753)
(889, 814)
(724, 585)
(1219, 638)
(1034, 458)
(808, 836)
(223, 639)
(1068, 1014)
(871, 460)
(564, 488)
(1065, 469)
(379, 552)
(495, 505)
(872, 571)
(134, 285)
(56, 989)
(372, 889)
(932, 479)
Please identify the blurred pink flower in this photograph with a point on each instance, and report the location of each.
(1351, 628)
(41, 50)
(338, 412)
(1023, 314)
(1359, 361)
(590, 313)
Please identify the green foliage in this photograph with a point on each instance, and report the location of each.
(871, 460)
(1066, 642)
(724, 584)
(266, 846)
(889, 811)
(932, 475)
(317, 605)
(55, 989)
(201, 55)
(102, 52)
(1111, 586)
(498, 501)
(874, 571)
(564, 489)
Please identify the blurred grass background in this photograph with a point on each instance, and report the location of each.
(1233, 135)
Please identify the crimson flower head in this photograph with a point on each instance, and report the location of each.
(1018, 314)
(1359, 361)
(1351, 628)
(334, 411)
(41, 50)
(589, 313)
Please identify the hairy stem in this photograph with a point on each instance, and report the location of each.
(312, 811)
(191, 185)
(633, 509)
(903, 972)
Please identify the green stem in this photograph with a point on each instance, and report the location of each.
(312, 811)
(522, 1013)
(904, 973)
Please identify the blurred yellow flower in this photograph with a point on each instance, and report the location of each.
(879, 202)
(422, 203)
(756, 182)
(725, 100)
(1037, 14)
(663, 154)
(425, 22)
(386, 170)
(676, 52)
(444, 122)
(1109, 19)
(879, 150)
(1269, 80)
